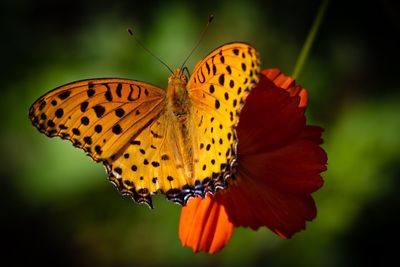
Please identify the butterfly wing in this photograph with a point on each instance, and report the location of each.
(159, 164)
(100, 116)
(218, 88)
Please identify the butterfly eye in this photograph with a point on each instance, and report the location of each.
(184, 78)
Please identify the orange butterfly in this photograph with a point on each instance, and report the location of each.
(181, 141)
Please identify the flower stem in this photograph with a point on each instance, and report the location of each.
(305, 51)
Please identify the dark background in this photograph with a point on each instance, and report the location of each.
(58, 208)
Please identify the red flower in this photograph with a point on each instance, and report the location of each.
(279, 166)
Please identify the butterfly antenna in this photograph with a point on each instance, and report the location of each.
(148, 51)
(210, 19)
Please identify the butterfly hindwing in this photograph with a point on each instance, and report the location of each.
(151, 162)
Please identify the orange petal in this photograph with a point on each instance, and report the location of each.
(204, 225)
(287, 83)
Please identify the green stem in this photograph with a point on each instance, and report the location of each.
(305, 51)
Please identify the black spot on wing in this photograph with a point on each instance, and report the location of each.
(208, 68)
(98, 128)
(64, 94)
(99, 110)
(135, 142)
(116, 129)
(221, 79)
(228, 69)
(119, 112)
(119, 90)
(84, 106)
(51, 123)
(88, 140)
(90, 92)
(108, 94)
(59, 113)
(212, 89)
(132, 89)
(85, 120)
(217, 104)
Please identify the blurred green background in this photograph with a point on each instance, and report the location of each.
(57, 206)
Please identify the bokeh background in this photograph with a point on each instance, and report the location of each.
(56, 204)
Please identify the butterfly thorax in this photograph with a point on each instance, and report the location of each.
(177, 94)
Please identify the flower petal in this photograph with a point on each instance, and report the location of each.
(313, 133)
(269, 119)
(279, 159)
(204, 225)
(260, 205)
(294, 168)
(288, 83)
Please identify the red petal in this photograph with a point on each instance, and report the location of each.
(313, 133)
(269, 119)
(293, 168)
(273, 188)
(204, 225)
(279, 159)
(253, 205)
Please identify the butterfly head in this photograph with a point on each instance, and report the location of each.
(178, 78)
(177, 91)
(177, 84)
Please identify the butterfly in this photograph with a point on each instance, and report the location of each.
(180, 141)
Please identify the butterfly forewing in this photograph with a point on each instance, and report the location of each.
(218, 88)
(100, 116)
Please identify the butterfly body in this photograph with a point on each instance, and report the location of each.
(179, 111)
(180, 141)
